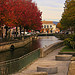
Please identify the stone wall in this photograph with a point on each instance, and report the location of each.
(71, 70)
(47, 49)
(16, 44)
(38, 73)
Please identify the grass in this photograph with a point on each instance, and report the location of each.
(67, 49)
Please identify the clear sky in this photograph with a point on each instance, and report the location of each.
(51, 9)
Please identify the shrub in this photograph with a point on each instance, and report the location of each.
(67, 41)
(72, 37)
(72, 43)
(62, 36)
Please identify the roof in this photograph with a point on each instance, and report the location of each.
(47, 22)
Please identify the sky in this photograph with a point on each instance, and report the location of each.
(51, 9)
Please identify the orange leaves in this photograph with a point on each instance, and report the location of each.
(2, 17)
(59, 26)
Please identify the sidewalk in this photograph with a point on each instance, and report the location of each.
(48, 60)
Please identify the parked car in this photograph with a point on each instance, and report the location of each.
(23, 33)
(37, 32)
(32, 33)
(26, 33)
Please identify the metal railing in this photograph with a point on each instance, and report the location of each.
(13, 66)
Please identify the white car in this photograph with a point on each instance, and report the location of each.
(26, 33)
(37, 32)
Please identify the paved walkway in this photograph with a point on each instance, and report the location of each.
(49, 59)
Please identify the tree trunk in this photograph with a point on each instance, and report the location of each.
(20, 31)
(2, 32)
(24, 31)
(16, 31)
(10, 33)
(74, 29)
(6, 31)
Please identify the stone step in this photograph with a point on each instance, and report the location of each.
(64, 57)
(50, 69)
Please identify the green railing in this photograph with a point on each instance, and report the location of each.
(13, 66)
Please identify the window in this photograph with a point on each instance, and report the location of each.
(44, 26)
(50, 26)
(47, 26)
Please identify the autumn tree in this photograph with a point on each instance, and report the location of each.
(68, 16)
(28, 15)
(6, 17)
(20, 13)
(59, 26)
(33, 17)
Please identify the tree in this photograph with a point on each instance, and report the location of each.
(33, 17)
(68, 16)
(20, 13)
(59, 26)
(5, 17)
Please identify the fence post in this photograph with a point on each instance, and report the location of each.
(41, 53)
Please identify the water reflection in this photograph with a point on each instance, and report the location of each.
(39, 43)
(47, 40)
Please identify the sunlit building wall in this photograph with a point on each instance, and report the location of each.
(48, 27)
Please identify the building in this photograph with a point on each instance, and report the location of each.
(48, 27)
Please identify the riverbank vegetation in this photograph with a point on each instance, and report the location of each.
(67, 49)
(68, 24)
(68, 16)
(70, 41)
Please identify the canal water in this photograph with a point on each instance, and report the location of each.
(39, 43)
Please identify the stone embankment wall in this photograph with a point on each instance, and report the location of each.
(33, 55)
(38, 73)
(16, 44)
(47, 49)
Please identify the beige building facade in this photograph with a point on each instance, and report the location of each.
(48, 27)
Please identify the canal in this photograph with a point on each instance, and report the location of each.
(39, 43)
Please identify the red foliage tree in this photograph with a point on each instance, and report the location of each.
(20, 13)
(6, 14)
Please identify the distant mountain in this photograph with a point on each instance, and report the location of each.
(55, 22)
